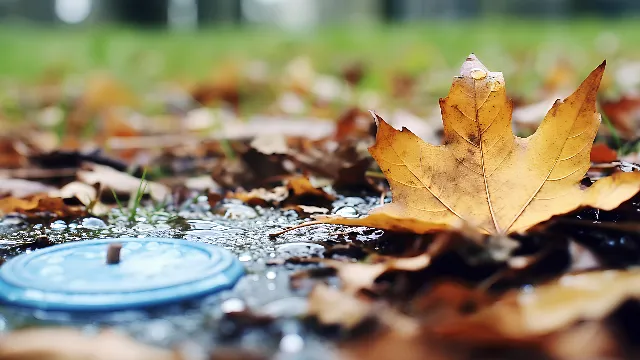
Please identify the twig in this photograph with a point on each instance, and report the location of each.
(276, 234)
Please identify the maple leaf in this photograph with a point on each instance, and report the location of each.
(483, 174)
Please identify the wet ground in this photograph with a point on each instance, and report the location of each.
(264, 291)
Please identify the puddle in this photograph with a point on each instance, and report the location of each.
(264, 290)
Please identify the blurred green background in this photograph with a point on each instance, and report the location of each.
(147, 41)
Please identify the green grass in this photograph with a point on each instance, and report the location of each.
(143, 57)
(134, 203)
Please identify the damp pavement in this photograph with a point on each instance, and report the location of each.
(207, 323)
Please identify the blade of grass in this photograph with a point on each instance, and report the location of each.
(142, 187)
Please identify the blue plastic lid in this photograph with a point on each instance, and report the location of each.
(151, 271)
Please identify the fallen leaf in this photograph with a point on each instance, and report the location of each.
(86, 194)
(262, 196)
(10, 158)
(624, 114)
(391, 345)
(40, 203)
(550, 307)
(122, 183)
(306, 209)
(301, 188)
(601, 153)
(356, 276)
(21, 188)
(334, 307)
(485, 175)
(352, 123)
(71, 344)
(331, 306)
(589, 340)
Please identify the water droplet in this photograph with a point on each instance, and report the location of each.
(238, 211)
(271, 286)
(528, 289)
(347, 211)
(291, 343)
(159, 330)
(245, 257)
(93, 223)
(478, 74)
(233, 305)
(58, 225)
(271, 275)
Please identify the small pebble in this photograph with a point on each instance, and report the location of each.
(93, 223)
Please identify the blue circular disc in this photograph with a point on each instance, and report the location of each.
(152, 271)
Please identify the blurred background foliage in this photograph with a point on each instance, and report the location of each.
(186, 38)
(540, 45)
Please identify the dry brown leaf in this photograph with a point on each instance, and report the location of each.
(122, 183)
(391, 345)
(334, 307)
(624, 114)
(298, 190)
(301, 187)
(40, 203)
(20, 188)
(331, 306)
(70, 344)
(356, 276)
(306, 209)
(85, 194)
(10, 158)
(262, 196)
(547, 308)
(485, 175)
(601, 153)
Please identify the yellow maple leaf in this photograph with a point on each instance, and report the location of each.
(483, 174)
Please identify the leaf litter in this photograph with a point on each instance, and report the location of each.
(495, 246)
